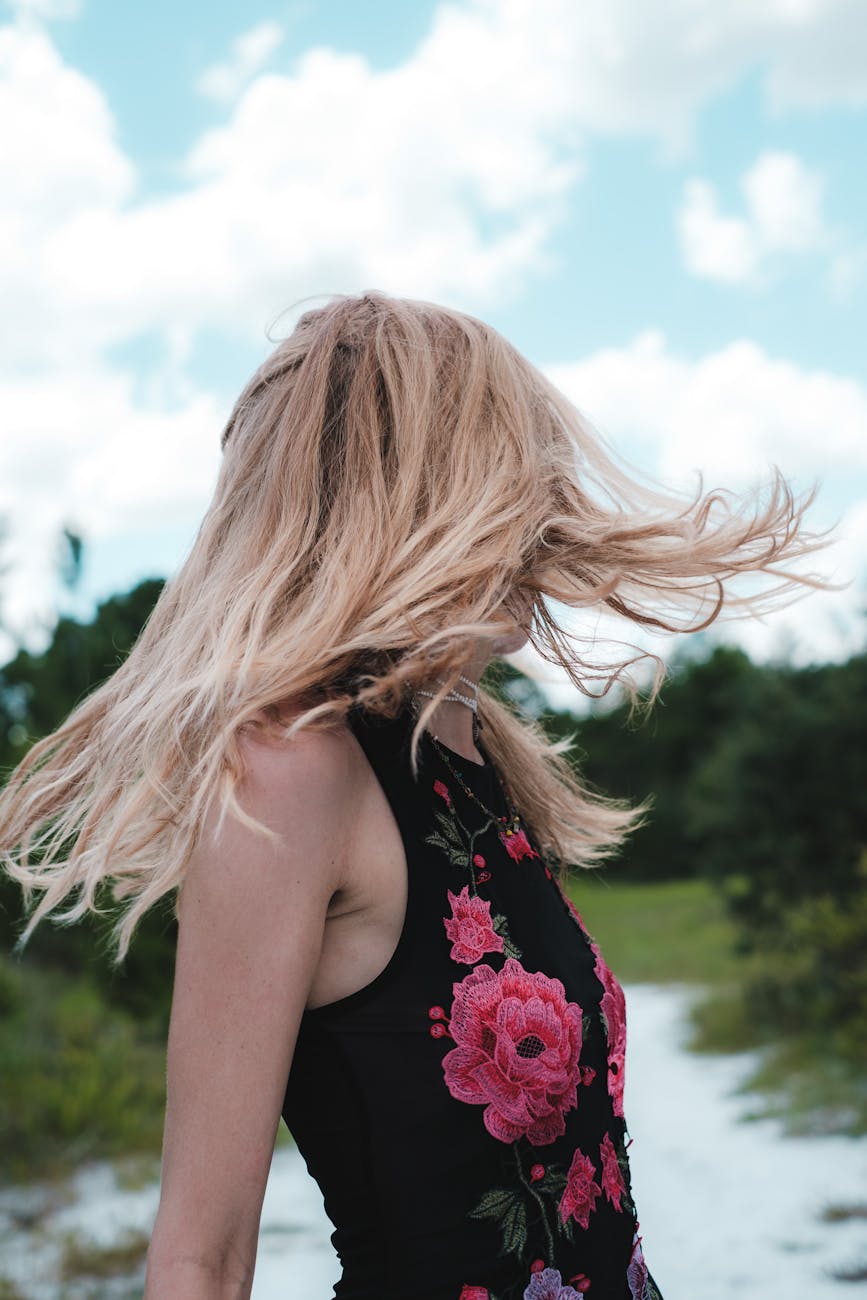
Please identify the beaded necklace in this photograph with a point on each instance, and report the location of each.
(511, 822)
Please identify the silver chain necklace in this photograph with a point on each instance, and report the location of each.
(472, 702)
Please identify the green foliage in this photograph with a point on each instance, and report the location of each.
(79, 1079)
(37, 691)
(657, 754)
(778, 807)
(84, 1259)
(778, 816)
(750, 873)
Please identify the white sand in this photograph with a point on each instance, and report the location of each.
(727, 1208)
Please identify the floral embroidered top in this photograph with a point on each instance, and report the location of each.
(463, 1112)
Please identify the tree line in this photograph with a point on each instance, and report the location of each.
(758, 775)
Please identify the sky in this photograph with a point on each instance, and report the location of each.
(662, 203)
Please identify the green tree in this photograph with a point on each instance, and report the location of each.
(37, 691)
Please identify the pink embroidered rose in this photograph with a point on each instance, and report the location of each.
(474, 1293)
(517, 845)
(470, 928)
(518, 1043)
(549, 1285)
(612, 1179)
(581, 1192)
(613, 1007)
(636, 1273)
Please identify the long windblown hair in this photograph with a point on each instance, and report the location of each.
(396, 479)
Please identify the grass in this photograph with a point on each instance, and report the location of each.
(673, 932)
(679, 932)
(79, 1079)
(83, 1259)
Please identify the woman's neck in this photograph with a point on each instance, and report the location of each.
(452, 720)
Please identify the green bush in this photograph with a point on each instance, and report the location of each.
(79, 1079)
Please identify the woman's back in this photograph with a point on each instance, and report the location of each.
(462, 1111)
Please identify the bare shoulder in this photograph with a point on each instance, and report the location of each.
(306, 791)
(315, 763)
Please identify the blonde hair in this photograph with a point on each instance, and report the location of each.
(394, 474)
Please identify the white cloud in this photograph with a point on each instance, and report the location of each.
(250, 51)
(732, 414)
(443, 177)
(714, 246)
(783, 200)
(87, 449)
(821, 60)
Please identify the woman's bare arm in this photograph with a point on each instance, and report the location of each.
(251, 922)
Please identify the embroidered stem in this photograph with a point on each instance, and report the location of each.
(549, 1240)
(471, 852)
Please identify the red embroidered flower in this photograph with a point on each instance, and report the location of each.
(579, 1197)
(537, 1266)
(517, 845)
(536, 1172)
(613, 1007)
(474, 1293)
(612, 1179)
(588, 1074)
(518, 1043)
(442, 790)
(470, 928)
(478, 860)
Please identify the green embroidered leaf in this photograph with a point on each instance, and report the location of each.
(503, 1205)
(448, 828)
(437, 841)
(567, 1228)
(495, 1203)
(514, 1228)
(459, 857)
(510, 948)
(652, 1291)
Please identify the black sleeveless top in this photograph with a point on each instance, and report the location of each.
(462, 1113)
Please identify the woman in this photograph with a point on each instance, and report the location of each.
(367, 848)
